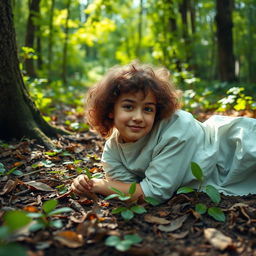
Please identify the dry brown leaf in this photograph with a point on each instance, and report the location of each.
(174, 225)
(70, 239)
(9, 186)
(39, 185)
(179, 235)
(217, 239)
(156, 220)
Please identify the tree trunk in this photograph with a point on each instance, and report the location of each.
(65, 46)
(50, 41)
(226, 59)
(18, 115)
(30, 35)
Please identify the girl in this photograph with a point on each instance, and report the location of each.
(152, 142)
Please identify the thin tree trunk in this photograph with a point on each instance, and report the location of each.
(140, 25)
(18, 115)
(65, 46)
(226, 59)
(50, 41)
(30, 35)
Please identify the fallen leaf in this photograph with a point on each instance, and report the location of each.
(70, 239)
(9, 186)
(217, 239)
(174, 225)
(179, 235)
(156, 220)
(39, 185)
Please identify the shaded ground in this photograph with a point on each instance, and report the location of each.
(178, 230)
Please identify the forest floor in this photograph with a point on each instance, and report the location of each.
(173, 228)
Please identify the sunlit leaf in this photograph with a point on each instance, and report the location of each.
(60, 210)
(213, 193)
(197, 171)
(117, 191)
(56, 224)
(49, 205)
(185, 190)
(132, 189)
(16, 219)
(118, 210)
(111, 196)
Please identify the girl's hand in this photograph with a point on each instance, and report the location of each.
(82, 185)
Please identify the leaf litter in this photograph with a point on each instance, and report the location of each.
(173, 228)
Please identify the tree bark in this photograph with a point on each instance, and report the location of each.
(18, 115)
(226, 59)
(65, 46)
(30, 35)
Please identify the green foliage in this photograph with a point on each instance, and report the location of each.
(127, 212)
(44, 219)
(13, 221)
(213, 194)
(13, 171)
(237, 100)
(123, 244)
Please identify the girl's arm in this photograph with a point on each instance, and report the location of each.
(82, 184)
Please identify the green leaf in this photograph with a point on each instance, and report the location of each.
(134, 239)
(138, 209)
(118, 210)
(2, 169)
(35, 215)
(117, 191)
(60, 210)
(201, 208)
(56, 224)
(16, 219)
(185, 190)
(4, 233)
(37, 226)
(111, 196)
(127, 214)
(132, 188)
(197, 171)
(12, 249)
(112, 241)
(213, 193)
(151, 200)
(217, 214)
(88, 173)
(124, 198)
(123, 246)
(49, 205)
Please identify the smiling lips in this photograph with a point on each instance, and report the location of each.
(135, 128)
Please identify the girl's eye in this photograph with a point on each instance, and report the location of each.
(128, 107)
(149, 109)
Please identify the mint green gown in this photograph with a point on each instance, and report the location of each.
(224, 147)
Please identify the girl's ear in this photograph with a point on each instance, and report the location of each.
(111, 115)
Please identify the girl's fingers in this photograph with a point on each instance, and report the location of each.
(81, 184)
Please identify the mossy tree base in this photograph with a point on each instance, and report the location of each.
(19, 116)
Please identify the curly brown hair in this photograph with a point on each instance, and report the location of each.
(131, 78)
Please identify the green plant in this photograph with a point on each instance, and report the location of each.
(237, 100)
(123, 244)
(13, 221)
(215, 212)
(127, 212)
(44, 218)
(14, 171)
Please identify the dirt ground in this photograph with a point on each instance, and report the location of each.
(171, 229)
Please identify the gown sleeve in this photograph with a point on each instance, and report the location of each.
(113, 165)
(170, 167)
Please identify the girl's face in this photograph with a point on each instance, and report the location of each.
(134, 115)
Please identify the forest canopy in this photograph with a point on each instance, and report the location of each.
(208, 46)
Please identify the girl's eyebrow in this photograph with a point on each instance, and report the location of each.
(134, 101)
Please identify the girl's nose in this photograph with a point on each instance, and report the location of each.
(138, 116)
